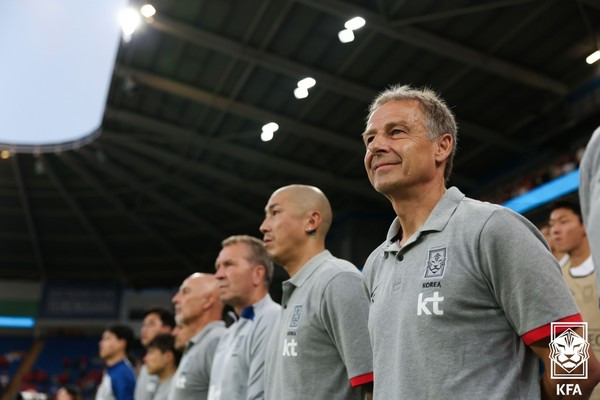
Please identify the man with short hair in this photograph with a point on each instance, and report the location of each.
(244, 272)
(463, 293)
(162, 360)
(156, 320)
(197, 304)
(320, 346)
(569, 236)
(118, 379)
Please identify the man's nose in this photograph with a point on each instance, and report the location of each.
(376, 144)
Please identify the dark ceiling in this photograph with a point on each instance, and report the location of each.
(179, 163)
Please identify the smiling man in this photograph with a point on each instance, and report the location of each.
(463, 293)
(320, 346)
(244, 272)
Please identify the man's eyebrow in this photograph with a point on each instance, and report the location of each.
(386, 127)
(270, 207)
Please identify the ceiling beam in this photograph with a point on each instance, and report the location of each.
(333, 82)
(245, 110)
(205, 39)
(108, 167)
(85, 221)
(29, 221)
(243, 153)
(456, 12)
(442, 46)
(199, 193)
(145, 227)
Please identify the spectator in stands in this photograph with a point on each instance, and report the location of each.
(118, 379)
(589, 195)
(197, 304)
(560, 256)
(68, 392)
(451, 265)
(182, 334)
(244, 272)
(320, 346)
(162, 360)
(156, 320)
(568, 234)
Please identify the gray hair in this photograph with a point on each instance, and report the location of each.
(257, 255)
(438, 117)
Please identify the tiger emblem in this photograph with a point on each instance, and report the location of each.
(569, 350)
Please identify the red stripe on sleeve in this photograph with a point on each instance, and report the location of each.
(361, 379)
(544, 331)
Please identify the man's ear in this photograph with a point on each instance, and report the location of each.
(258, 275)
(443, 147)
(313, 222)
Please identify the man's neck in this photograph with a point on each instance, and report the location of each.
(295, 264)
(200, 323)
(414, 208)
(110, 361)
(256, 296)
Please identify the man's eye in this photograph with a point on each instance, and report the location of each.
(397, 131)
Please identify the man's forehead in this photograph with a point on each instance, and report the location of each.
(561, 212)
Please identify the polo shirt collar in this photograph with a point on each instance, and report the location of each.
(198, 336)
(309, 268)
(437, 220)
(250, 311)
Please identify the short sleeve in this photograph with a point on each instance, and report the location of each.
(522, 274)
(344, 309)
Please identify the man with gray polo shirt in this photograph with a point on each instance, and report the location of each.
(244, 272)
(463, 293)
(589, 196)
(198, 306)
(320, 346)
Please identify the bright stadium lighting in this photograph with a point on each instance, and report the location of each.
(346, 36)
(147, 10)
(265, 136)
(355, 23)
(300, 93)
(307, 83)
(592, 58)
(270, 127)
(130, 20)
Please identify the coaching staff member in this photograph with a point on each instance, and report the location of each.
(462, 292)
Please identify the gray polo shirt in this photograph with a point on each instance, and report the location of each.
(238, 366)
(193, 374)
(589, 196)
(320, 346)
(454, 310)
(145, 385)
(163, 389)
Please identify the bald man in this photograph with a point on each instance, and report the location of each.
(320, 347)
(198, 307)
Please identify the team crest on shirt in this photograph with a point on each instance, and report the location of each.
(296, 314)
(436, 263)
